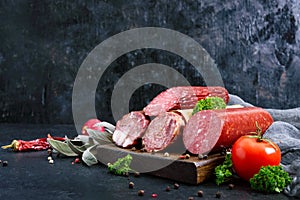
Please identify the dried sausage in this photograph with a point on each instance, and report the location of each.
(130, 128)
(184, 97)
(209, 130)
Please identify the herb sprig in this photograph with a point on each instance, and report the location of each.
(209, 103)
(270, 179)
(224, 171)
(121, 166)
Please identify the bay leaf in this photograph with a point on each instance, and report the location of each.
(61, 147)
(76, 148)
(88, 156)
(101, 137)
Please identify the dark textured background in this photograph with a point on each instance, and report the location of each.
(43, 43)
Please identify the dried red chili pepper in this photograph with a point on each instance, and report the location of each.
(32, 145)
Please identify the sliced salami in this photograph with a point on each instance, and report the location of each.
(130, 128)
(184, 97)
(162, 130)
(209, 130)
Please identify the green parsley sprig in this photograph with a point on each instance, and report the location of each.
(270, 179)
(209, 103)
(121, 166)
(224, 171)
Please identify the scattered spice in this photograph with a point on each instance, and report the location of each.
(168, 189)
(77, 160)
(218, 195)
(49, 151)
(166, 154)
(230, 186)
(136, 174)
(154, 195)
(4, 163)
(176, 186)
(200, 193)
(131, 185)
(202, 156)
(191, 198)
(141, 193)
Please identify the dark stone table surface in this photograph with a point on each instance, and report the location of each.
(30, 176)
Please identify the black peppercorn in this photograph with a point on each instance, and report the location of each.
(176, 186)
(200, 193)
(136, 174)
(141, 193)
(4, 163)
(49, 152)
(168, 189)
(131, 185)
(218, 195)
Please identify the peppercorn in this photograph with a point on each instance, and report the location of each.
(136, 174)
(49, 152)
(200, 193)
(154, 195)
(168, 189)
(218, 195)
(176, 186)
(230, 186)
(131, 185)
(202, 156)
(166, 154)
(4, 163)
(141, 193)
(77, 160)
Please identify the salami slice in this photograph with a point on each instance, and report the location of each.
(162, 130)
(130, 128)
(184, 97)
(209, 130)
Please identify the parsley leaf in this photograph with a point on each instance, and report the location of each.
(270, 179)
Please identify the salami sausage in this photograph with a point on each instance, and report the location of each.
(130, 128)
(184, 97)
(209, 130)
(162, 130)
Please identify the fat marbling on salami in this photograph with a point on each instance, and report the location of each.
(209, 130)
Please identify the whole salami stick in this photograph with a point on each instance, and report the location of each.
(210, 130)
(184, 97)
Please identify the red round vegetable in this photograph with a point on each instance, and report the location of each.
(250, 153)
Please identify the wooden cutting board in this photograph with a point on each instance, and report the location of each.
(191, 171)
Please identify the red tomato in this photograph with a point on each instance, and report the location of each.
(249, 155)
(91, 124)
